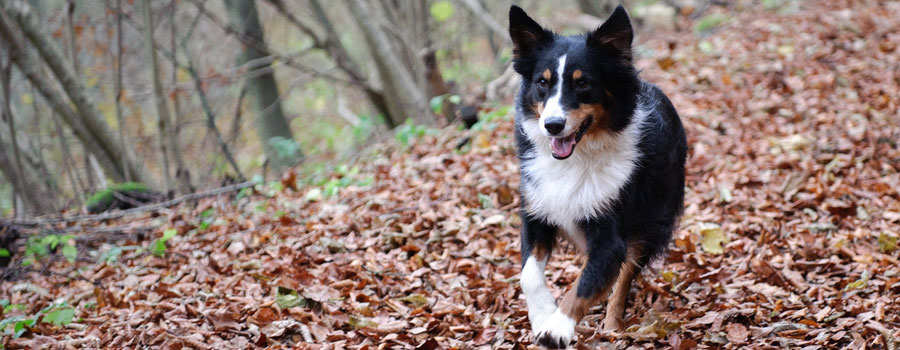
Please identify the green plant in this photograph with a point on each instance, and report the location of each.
(101, 200)
(287, 298)
(206, 219)
(158, 246)
(437, 102)
(487, 121)
(408, 131)
(441, 10)
(710, 21)
(285, 148)
(346, 176)
(38, 247)
(112, 255)
(58, 314)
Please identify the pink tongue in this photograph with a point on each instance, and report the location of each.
(562, 147)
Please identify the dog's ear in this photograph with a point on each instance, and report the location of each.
(615, 33)
(526, 34)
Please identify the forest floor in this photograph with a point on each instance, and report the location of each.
(789, 237)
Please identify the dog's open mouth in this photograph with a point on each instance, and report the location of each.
(563, 147)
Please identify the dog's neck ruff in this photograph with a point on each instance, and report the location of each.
(564, 192)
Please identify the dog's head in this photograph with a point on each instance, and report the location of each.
(575, 86)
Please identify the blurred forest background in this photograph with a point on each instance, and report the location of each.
(179, 95)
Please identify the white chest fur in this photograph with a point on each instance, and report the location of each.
(563, 192)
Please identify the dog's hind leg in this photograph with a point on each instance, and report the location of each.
(615, 307)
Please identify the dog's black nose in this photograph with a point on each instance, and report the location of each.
(555, 125)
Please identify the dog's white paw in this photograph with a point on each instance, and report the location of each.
(556, 332)
(539, 313)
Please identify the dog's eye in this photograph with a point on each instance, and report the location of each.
(582, 85)
(542, 83)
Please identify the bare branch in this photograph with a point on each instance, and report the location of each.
(138, 210)
(483, 15)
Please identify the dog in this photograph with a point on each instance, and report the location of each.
(602, 157)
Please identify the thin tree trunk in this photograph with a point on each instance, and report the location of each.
(95, 130)
(118, 82)
(337, 51)
(29, 68)
(70, 29)
(211, 118)
(76, 70)
(24, 179)
(10, 172)
(162, 109)
(15, 202)
(77, 186)
(405, 99)
(50, 180)
(236, 121)
(5, 78)
(182, 173)
(484, 16)
(262, 89)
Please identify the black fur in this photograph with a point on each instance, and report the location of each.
(647, 208)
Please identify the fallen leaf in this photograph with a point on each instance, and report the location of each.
(737, 333)
(711, 238)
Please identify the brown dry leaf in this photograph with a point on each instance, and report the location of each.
(737, 333)
(224, 321)
(263, 316)
(485, 335)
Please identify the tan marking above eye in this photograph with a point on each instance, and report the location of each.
(576, 74)
(547, 75)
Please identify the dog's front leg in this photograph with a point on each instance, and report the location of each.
(537, 243)
(605, 255)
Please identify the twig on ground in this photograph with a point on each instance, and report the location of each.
(119, 214)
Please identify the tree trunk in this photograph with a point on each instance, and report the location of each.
(77, 186)
(168, 143)
(162, 110)
(120, 120)
(25, 180)
(211, 117)
(342, 58)
(76, 70)
(182, 173)
(5, 78)
(88, 123)
(596, 8)
(404, 98)
(262, 90)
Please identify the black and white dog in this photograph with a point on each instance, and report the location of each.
(602, 158)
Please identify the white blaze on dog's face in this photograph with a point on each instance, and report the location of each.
(553, 107)
(554, 121)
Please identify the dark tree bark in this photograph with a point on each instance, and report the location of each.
(262, 90)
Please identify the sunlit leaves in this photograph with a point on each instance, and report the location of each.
(288, 298)
(158, 247)
(887, 243)
(711, 238)
(441, 10)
